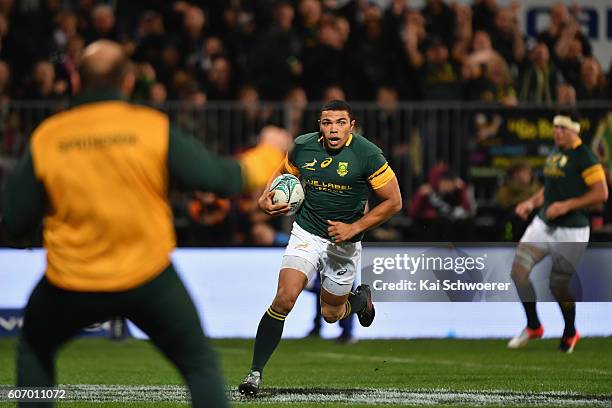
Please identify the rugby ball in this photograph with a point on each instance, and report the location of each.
(288, 189)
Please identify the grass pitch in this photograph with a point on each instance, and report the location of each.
(320, 373)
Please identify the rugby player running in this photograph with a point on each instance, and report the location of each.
(339, 170)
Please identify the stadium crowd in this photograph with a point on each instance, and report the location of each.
(296, 52)
(222, 49)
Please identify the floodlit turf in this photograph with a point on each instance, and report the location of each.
(402, 372)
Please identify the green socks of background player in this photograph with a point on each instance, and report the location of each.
(568, 309)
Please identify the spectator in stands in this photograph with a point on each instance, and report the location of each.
(439, 20)
(67, 68)
(103, 24)
(193, 36)
(281, 61)
(150, 38)
(489, 78)
(541, 77)
(329, 53)
(463, 32)
(309, 18)
(43, 84)
(249, 119)
(66, 23)
(393, 22)
(507, 37)
(372, 62)
(296, 102)
(519, 185)
(566, 95)
(568, 54)
(209, 216)
(560, 18)
(157, 94)
(333, 92)
(593, 84)
(443, 207)
(413, 36)
(145, 77)
(169, 65)
(438, 78)
(219, 82)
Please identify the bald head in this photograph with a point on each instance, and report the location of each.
(103, 66)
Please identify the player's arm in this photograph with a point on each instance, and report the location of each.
(265, 200)
(524, 208)
(23, 204)
(387, 190)
(597, 193)
(194, 168)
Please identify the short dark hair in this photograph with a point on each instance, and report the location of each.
(337, 105)
(92, 80)
(570, 113)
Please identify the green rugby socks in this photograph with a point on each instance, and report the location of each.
(268, 336)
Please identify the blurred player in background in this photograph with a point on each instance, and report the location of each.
(98, 174)
(339, 170)
(573, 181)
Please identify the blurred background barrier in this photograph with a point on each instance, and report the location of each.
(480, 146)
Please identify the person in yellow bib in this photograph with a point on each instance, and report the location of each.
(573, 181)
(97, 175)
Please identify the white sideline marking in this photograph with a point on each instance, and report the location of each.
(423, 397)
(454, 363)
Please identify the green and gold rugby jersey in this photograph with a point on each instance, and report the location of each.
(568, 174)
(337, 184)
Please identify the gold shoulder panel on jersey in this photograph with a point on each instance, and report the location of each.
(593, 174)
(381, 176)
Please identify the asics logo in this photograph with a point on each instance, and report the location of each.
(342, 272)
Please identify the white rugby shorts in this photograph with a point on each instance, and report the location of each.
(337, 263)
(559, 242)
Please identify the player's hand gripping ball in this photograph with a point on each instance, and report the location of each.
(288, 189)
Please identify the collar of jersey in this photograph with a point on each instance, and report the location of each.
(91, 97)
(577, 143)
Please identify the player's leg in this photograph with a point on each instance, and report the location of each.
(164, 310)
(52, 316)
(527, 256)
(346, 324)
(566, 255)
(299, 265)
(341, 263)
(560, 276)
(531, 250)
(291, 282)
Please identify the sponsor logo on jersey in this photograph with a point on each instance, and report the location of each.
(342, 169)
(310, 165)
(326, 162)
(325, 186)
